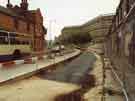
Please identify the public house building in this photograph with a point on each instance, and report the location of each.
(22, 20)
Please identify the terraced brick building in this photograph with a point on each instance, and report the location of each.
(97, 28)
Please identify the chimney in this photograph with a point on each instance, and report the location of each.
(9, 5)
(24, 5)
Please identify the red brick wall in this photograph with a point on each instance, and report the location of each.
(22, 27)
(31, 29)
(36, 30)
(39, 36)
(6, 22)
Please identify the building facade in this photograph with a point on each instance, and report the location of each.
(97, 28)
(22, 20)
(120, 39)
(120, 45)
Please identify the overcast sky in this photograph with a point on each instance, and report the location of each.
(60, 13)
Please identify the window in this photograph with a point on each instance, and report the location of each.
(2, 33)
(3, 40)
(12, 38)
(117, 20)
(4, 37)
(28, 26)
(127, 6)
(120, 14)
(131, 3)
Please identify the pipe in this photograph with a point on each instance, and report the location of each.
(121, 83)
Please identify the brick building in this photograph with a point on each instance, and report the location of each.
(22, 20)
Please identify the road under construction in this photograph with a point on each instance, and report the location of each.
(74, 72)
(78, 79)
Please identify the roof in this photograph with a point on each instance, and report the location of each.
(7, 11)
(13, 13)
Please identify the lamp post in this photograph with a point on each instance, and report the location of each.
(50, 28)
(51, 37)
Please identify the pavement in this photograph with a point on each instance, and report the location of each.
(126, 73)
(112, 88)
(9, 73)
(107, 87)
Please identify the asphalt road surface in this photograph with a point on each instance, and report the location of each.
(75, 71)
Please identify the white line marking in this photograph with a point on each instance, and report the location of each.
(18, 62)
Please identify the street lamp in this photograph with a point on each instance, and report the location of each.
(50, 28)
(51, 37)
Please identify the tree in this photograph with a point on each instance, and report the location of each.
(76, 38)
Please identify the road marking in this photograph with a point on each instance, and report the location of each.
(17, 62)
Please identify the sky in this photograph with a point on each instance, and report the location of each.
(60, 13)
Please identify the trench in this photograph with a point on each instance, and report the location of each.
(75, 71)
(77, 95)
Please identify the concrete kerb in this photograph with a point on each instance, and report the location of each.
(19, 62)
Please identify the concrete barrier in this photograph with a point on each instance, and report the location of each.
(20, 75)
(30, 60)
(19, 62)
